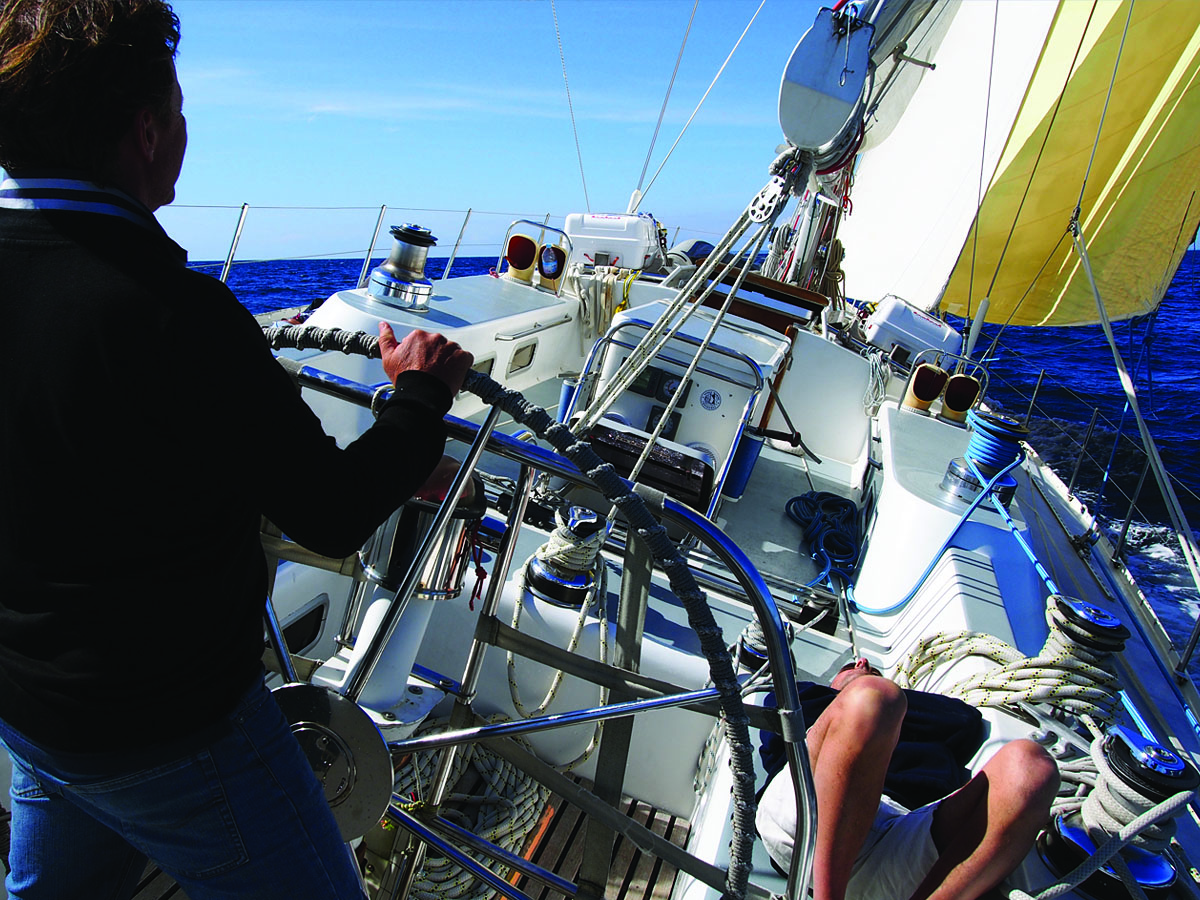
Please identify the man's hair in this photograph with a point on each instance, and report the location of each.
(73, 74)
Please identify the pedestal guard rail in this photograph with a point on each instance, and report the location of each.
(582, 466)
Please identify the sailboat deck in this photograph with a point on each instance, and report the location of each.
(633, 875)
(759, 524)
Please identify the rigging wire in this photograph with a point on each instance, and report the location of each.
(671, 84)
(1032, 285)
(1183, 532)
(563, 59)
(1103, 112)
(702, 99)
(1037, 160)
(987, 115)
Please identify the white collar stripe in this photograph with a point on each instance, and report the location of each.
(107, 209)
(74, 196)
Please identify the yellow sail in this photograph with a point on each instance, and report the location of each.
(1142, 199)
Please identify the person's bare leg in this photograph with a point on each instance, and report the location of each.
(850, 746)
(984, 830)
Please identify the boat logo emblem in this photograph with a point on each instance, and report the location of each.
(710, 399)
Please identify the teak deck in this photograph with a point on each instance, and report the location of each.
(634, 875)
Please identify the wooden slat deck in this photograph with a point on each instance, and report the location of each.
(634, 875)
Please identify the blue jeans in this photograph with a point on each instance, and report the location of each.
(240, 816)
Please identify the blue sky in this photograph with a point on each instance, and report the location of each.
(443, 106)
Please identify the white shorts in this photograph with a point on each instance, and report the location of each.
(897, 854)
(895, 857)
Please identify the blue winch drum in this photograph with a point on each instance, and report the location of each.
(749, 447)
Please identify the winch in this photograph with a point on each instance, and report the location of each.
(1135, 774)
(995, 443)
(400, 280)
(1087, 626)
(565, 574)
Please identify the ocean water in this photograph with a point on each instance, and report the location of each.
(1079, 378)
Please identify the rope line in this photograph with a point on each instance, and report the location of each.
(579, 153)
(564, 550)
(1065, 674)
(1104, 111)
(987, 114)
(702, 99)
(830, 524)
(505, 812)
(670, 84)
(1037, 160)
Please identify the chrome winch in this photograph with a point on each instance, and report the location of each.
(1088, 626)
(994, 445)
(564, 572)
(1136, 774)
(400, 280)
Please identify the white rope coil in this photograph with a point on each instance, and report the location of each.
(1107, 854)
(881, 375)
(1110, 805)
(505, 813)
(1065, 674)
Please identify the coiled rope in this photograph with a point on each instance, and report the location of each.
(995, 440)
(684, 586)
(1066, 673)
(830, 524)
(567, 551)
(881, 374)
(504, 813)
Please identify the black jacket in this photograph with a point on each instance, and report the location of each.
(144, 429)
(938, 737)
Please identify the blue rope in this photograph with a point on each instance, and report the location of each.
(830, 524)
(974, 505)
(995, 440)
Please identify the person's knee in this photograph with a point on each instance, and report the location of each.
(870, 703)
(1025, 768)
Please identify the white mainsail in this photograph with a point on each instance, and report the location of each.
(915, 195)
(1050, 75)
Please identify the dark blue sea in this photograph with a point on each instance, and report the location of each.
(1080, 378)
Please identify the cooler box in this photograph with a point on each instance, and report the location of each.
(902, 330)
(627, 241)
